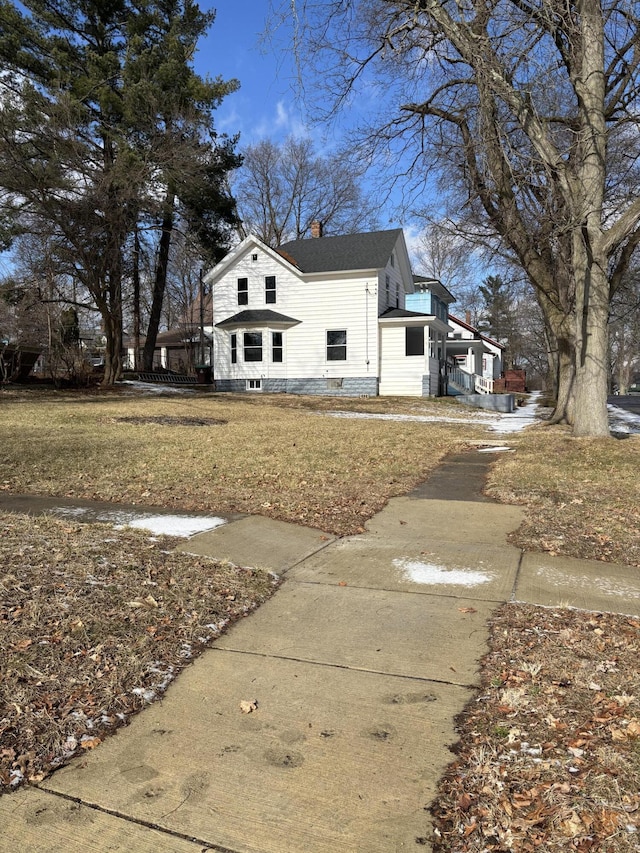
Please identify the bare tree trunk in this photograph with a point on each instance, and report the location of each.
(592, 363)
(566, 383)
(136, 298)
(113, 354)
(159, 283)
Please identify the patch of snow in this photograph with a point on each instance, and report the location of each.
(175, 525)
(147, 695)
(603, 584)
(516, 421)
(15, 777)
(432, 574)
(70, 511)
(503, 449)
(623, 421)
(154, 388)
(480, 416)
(496, 421)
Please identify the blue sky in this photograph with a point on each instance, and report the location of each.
(265, 103)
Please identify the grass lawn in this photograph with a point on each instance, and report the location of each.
(93, 620)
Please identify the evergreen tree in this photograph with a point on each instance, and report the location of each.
(497, 320)
(101, 110)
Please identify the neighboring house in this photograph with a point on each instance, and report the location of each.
(180, 348)
(325, 315)
(472, 351)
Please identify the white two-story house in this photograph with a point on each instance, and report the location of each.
(324, 315)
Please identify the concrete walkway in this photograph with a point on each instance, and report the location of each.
(359, 665)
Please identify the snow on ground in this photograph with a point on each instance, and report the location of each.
(622, 421)
(503, 423)
(495, 421)
(522, 417)
(154, 388)
(174, 525)
(432, 574)
(158, 525)
(475, 418)
(603, 583)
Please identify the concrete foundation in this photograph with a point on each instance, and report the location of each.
(493, 402)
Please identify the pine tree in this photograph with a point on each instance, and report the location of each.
(101, 110)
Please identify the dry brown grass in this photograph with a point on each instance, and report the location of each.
(582, 495)
(274, 456)
(93, 624)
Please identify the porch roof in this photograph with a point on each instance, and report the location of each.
(262, 317)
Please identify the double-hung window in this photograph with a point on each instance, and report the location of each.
(337, 345)
(276, 346)
(270, 289)
(253, 346)
(234, 348)
(243, 291)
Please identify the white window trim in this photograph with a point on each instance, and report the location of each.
(335, 346)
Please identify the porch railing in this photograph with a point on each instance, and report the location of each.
(469, 383)
(483, 385)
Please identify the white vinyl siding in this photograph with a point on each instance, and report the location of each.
(401, 374)
(323, 302)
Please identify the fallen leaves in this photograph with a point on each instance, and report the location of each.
(88, 639)
(248, 706)
(557, 766)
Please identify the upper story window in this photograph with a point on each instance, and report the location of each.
(276, 346)
(387, 289)
(414, 340)
(337, 345)
(253, 346)
(243, 291)
(270, 289)
(234, 348)
(392, 260)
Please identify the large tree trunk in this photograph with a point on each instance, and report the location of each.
(159, 284)
(592, 355)
(108, 295)
(112, 321)
(136, 298)
(564, 412)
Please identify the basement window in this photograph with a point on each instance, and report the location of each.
(254, 385)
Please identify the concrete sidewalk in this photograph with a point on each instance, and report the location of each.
(359, 665)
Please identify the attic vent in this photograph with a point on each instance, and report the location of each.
(254, 258)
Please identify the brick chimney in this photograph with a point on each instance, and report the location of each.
(316, 228)
(467, 317)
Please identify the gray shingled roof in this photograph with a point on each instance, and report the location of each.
(348, 252)
(257, 317)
